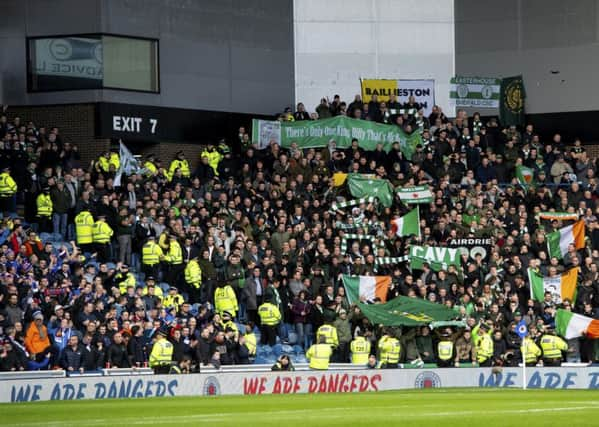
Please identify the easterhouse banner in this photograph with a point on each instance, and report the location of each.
(422, 90)
(341, 129)
(474, 92)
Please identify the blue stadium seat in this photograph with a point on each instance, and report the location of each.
(277, 350)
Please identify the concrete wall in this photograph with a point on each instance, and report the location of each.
(226, 55)
(535, 38)
(337, 42)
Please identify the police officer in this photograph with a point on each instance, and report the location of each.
(445, 350)
(150, 166)
(125, 279)
(360, 350)
(193, 278)
(484, 346)
(84, 224)
(8, 191)
(179, 163)
(214, 157)
(174, 257)
(389, 350)
(552, 347)
(270, 317)
(151, 255)
(44, 210)
(101, 235)
(531, 350)
(329, 332)
(319, 355)
(225, 299)
(162, 353)
(250, 339)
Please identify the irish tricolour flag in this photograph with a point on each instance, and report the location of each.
(407, 225)
(562, 286)
(558, 241)
(366, 288)
(570, 325)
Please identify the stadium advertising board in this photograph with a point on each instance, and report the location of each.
(254, 383)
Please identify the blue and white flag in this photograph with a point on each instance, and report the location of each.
(522, 329)
(128, 164)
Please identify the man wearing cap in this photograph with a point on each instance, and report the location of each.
(162, 353)
(151, 255)
(8, 191)
(37, 341)
(181, 163)
(44, 211)
(101, 235)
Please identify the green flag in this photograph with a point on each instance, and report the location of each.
(512, 96)
(439, 258)
(404, 311)
(361, 186)
(342, 129)
(407, 225)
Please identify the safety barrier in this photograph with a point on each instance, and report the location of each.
(227, 382)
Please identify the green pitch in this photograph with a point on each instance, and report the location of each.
(443, 407)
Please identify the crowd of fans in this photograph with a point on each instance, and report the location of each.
(231, 255)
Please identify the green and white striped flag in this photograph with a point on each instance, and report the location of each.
(407, 225)
(476, 92)
(415, 195)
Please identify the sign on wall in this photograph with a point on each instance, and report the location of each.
(422, 90)
(255, 383)
(474, 92)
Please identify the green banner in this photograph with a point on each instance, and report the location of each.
(404, 311)
(360, 186)
(439, 258)
(511, 108)
(342, 129)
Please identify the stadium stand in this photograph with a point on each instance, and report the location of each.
(237, 259)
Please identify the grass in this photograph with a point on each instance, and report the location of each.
(442, 407)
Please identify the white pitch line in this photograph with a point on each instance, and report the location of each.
(305, 412)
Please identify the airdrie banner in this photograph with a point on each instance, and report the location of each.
(475, 92)
(422, 90)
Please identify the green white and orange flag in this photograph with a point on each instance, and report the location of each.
(558, 241)
(559, 216)
(562, 286)
(407, 225)
(571, 325)
(366, 288)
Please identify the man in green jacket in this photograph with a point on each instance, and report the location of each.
(343, 335)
